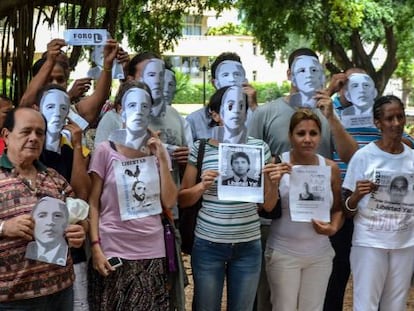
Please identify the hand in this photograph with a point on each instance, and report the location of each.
(110, 52)
(75, 235)
(207, 178)
(324, 103)
(100, 262)
(79, 88)
(363, 187)
(53, 48)
(181, 155)
(123, 58)
(19, 227)
(337, 82)
(276, 171)
(325, 228)
(156, 147)
(250, 91)
(76, 133)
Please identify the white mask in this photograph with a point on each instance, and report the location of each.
(136, 107)
(54, 106)
(153, 76)
(233, 114)
(307, 74)
(361, 91)
(170, 86)
(229, 73)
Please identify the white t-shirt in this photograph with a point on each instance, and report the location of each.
(362, 166)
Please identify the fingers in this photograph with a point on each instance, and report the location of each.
(53, 48)
(276, 171)
(208, 177)
(181, 154)
(21, 226)
(75, 235)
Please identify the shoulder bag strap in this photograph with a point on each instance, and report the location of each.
(200, 156)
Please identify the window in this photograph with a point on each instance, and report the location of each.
(254, 48)
(192, 26)
(254, 75)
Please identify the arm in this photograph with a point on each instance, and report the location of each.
(351, 199)
(41, 79)
(273, 173)
(345, 144)
(79, 180)
(89, 107)
(100, 262)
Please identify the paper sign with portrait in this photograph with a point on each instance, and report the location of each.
(309, 193)
(51, 218)
(391, 206)
(138, 187)
(241, 177)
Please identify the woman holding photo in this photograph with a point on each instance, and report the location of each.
(298, 254)
(382, 254)
(227, 235)
(140, 282)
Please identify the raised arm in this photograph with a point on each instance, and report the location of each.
(345, 144)
(89, 107)
(42, 77)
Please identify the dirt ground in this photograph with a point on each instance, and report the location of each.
(347, 301)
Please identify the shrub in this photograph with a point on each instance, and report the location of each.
(192, 93)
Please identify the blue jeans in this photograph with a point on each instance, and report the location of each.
(239, 262)
(62, 301)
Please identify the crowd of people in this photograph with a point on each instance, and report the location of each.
(84, 218)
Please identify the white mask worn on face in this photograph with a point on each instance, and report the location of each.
(136, 108)
(54, 106)
(360, 91)
(170, 86)
(153, 75)
(228, 73)
(233, 115)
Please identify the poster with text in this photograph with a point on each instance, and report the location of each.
(241, 177)
(391, 206)
(309, 193)
(138, 186)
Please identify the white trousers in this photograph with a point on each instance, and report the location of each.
(381, 277)
(80, 287)
(298, 283)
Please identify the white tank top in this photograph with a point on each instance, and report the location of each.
(296, 238)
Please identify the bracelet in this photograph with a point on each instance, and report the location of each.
(347, 205)
(2, 227)
(98, 242)
(107, 69)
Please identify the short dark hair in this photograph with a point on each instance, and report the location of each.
(383, 100)
(138, 59)
(239, 154)
(10, 120)
(300, 52)
(221, 58)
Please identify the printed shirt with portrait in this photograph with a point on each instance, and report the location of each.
(225, 221)
(22, 278)
(362, 166)
(135, 239)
